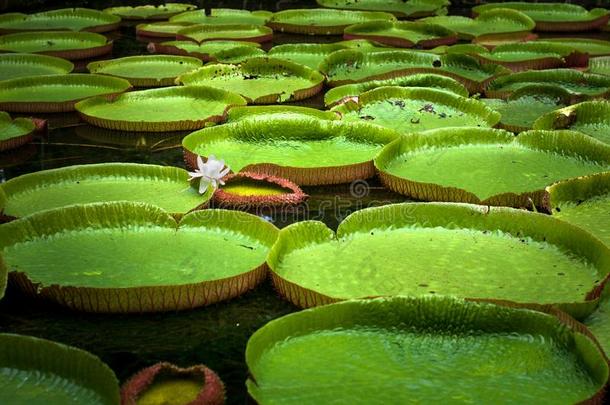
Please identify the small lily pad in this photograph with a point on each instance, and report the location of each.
(164, 186)
(591, 118)
(133, 257)
(260, 80)
(319, 21)
(223, 16)
(146, 71)
(339, 94)
(423, 350)
(162, 29)
(15, 65)
(527, 104)
(15, 132)
(39, 371)
(415, 109)
(403, 34)
(556, 17)
(307, 151)
(310, 55)
(150, 12)
(225, 51)
(67, 45)
(241, 32)
(247, 191)
(71, 19)
(487, 166)
(493, 22)
(579, 85)
(160, 110)
(56, 93)
(400, 8)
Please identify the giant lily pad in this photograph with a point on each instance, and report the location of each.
(321, 21)
(15, 65)
(223, 16)
(401, 8)
(15, 132)
(416, 109)
(530, 55)
(350, 91)
(150, 12)
(55, 93)
(73, 19)
(584, 202)
(160, 110)
(554, 16)
(591, 118)
(164, 186)
(241, 32)
(352, 66)
(486, 166)
(600, 65)
(67, 45)
(307, 151)
(579, 85)
(38, 371)
(310, 55)
(551, 262)
(266, 112)
(594, 47)
(599, 321)
(500, 21)
(423, 350)
(133, 257)
(260, 80)
(164, 29)
(527, 104)
(209, 50)
(146, 71)
(403, 34)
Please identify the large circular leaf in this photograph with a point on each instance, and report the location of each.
(67, 45)
(486, 166)
(150, 12)
(133, 257)
(15, 132)
(223, 16)
(425, 350)
(310, 55)
(401, 8)
(15, 65)
(241, 32)
(594, 47)
(222, 51)
(447, 249)
(321, 21)
(72, 19)
(163, 29)
(402, 34)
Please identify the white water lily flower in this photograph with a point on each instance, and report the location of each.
(210, 173)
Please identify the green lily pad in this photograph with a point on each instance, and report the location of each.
(551, 262)
(321, 21)
(150, 12)
(164, 186)
(164, 29)
(160, 110)
(39, 371)
(148, 142)
(307, 151)
(310, 55)
(352, 66)
(71, 19)
(554, 16)
(486, 166)
(361, 44)
(15, 65)
(404, 34)
(492, 40)
(260, 80)
(107, 258)
(594, 47)
(423, 350)
(146, 71)
(56, 93)
(598, 322)
(14, 132)
(225, 51)
(591, 118)
(270, 112)
(529, 55)
(583, 202)
(579, 85)
(527, 104)
(223, 16)
(242, 32)
(349, 91)
(400, 8)
(67, 45)
(499, 21)
(415, 109)
(599, 65)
